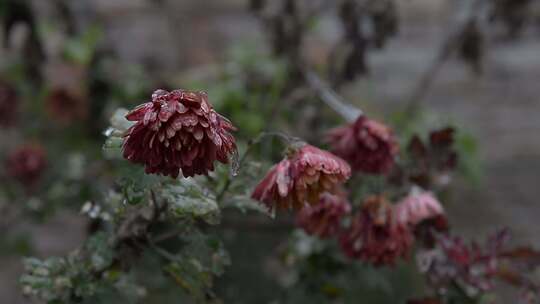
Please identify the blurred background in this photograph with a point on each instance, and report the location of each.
(84, 58)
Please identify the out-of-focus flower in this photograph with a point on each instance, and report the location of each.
(8, 104)
(66, 106)
(26, 163)
(473, 267)
(178, 130)
(300, 178)
(432, 163)
(368, 145)
(375, 236)
(417, 207)
(323, 219)
(425, 231)
(424, 301)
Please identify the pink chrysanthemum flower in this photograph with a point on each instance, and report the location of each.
(375, 236)
(178, 130)
(417, 207)
(369, 146)
(26, 163)
(8, 104)
(323, 219)
(300, 178)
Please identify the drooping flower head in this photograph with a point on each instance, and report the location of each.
(26, 163)
(323, 219)
(375, 236)
(178, 131)
(8, 104)
(417, 207)
(424, 214)
(368, 145)
(300, 178)
(66, 106)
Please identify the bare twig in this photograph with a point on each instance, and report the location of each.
(349, 112)
(446, 50)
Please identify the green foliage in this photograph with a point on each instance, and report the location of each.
(187, 199)
(193, 269)
(470, 165)
(81, 49)
(65, 279)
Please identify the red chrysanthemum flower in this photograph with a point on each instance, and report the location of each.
(375, 236)
(300, 178)
(8, 104)
(369, 146)
(66, 106)
(178, 130)
(26, 163)
(323, 219)
(417, 207)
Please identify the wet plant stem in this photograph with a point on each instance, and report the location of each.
(288, 140)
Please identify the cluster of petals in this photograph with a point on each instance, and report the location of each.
(375, 236)
(300, 179)
(26, 163)
(417, 207)
(324, 219)
(178, 131)
(8, 104)
(368, 145)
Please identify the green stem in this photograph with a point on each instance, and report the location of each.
(252, 143)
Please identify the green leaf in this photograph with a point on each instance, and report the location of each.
(187, 199)
(118, 127)
(202, 258)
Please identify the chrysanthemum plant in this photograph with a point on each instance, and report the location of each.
(168, 201)
(363, 210)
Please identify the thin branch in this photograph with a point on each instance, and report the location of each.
(349, 112)
(446, 50)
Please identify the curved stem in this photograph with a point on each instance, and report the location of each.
(349, 112)
(251, 143)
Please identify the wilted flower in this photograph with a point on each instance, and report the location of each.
(474, 267)
(178, 130)
(375, 236)
(26, 163)
(8, 104)
(425, 231)
(323, 219)
(368, 145)
(66, 106)
(432, 162)
(300, 178)
(417, 207)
